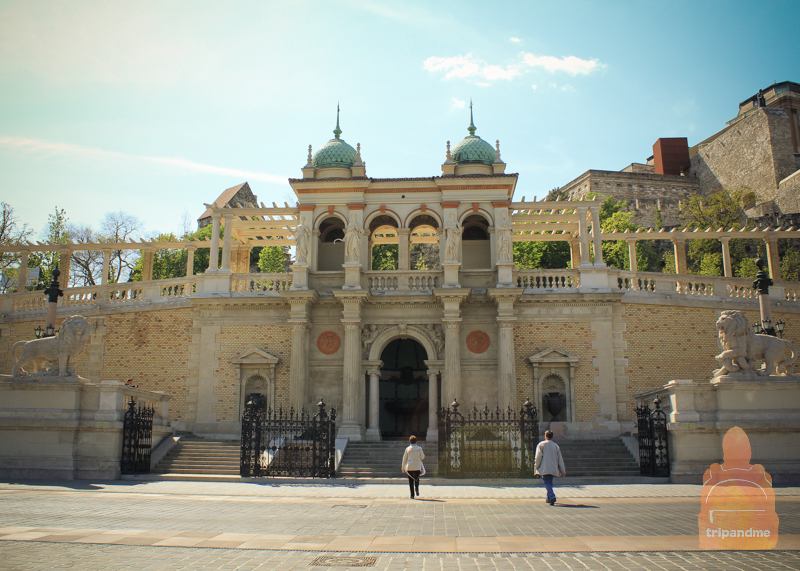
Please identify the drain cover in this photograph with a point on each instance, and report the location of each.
(339, 560)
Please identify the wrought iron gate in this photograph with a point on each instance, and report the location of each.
(137, 438)
(278, 443)
(488, 444)
(653, 442)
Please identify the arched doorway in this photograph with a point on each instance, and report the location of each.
(403, 391)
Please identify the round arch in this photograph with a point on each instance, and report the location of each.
(480, 212)
(428, 212)
(396, 332)
(325, 215)
(377, 214)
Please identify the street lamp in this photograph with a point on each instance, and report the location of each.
(762, 283)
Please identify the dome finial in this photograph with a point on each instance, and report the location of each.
(471, 127)
(337, 131)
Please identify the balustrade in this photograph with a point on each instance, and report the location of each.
(548, 279)
(402, 280)
(260, 283)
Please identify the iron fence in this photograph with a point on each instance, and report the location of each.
(287, 443)
(488, 444)
(653, 442)
(137, 438)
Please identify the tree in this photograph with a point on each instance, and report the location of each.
(615, 252)
(85, 265)
(11, 234)
(790, 266)
(273, 260)
(384, 256)
(57, 232)
(121, 227)
(541, 255)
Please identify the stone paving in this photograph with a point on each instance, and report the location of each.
(203, 525)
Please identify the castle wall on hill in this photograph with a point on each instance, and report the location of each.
(754, 152)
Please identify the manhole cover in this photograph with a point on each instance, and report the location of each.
(339, 560)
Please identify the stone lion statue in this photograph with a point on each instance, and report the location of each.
(61, 350)
(742, 348)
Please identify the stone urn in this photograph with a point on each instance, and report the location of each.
(554, 403)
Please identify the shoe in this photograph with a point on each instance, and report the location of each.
(553, 502)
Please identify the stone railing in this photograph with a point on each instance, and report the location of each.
(248, 284)
(548, 281)
(402, 280)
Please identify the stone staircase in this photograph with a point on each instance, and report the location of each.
(608, 458)
(382, 459)
(195, 455)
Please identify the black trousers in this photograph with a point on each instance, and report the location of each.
(413, 480)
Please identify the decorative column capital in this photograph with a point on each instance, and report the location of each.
(433, 372)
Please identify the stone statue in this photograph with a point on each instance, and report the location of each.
(741, 348)
(437, 336)
(505, 251)
(301, 235)
(452, 239)
(368, 336)
(60, 350)
(352, 240)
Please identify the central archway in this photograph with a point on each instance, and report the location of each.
(403, 390)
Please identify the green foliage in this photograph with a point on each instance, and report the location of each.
(670, 267)
(272, 260)
(384, 256)
(749, 200)
(711, 264)
(56, 233)
(746, 268)
(557, 194)
(722, 209)
(541, 255)
(790, 266)
(615, 252)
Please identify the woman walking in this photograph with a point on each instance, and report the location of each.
(412, 465)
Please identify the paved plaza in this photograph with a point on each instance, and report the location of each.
(211, 525)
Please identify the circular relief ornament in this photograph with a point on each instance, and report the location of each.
(328, 342)
(477, 342)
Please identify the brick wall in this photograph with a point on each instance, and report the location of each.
(576, 338)
(150, 347)
(275, 339)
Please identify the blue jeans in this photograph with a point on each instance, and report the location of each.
(548, 484)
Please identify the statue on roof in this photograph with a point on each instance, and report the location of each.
(505, 230)
(452, 239)
(352, 241)
(301, 235)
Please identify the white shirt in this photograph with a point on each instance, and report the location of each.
(412, 458)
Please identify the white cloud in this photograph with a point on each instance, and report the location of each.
(552, 85)
(515, 40)
(570, 64)
(567, 87)
(54, 148)
(535, 87)
(471, 68)
(458, 103)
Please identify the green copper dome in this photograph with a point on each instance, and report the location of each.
(335, 153)
(473, 150)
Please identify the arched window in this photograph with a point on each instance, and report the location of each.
(330, 254)
(424, 243)
(475, 244)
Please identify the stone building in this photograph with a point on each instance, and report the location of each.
(387, 348)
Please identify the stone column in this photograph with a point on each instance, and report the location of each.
(298, 373)
(598, 246)
(574, 254)
(190, 260)
(147, 265)
(373, 430)
(226, 243)
(726, 256)
(107, 266)
(506, 377)
(451, 380)
(433, 405)
(64, 260)
(633, 264)
(213, 255)
(351, 425)
(773, 258)
(22, 275)
(679, 247)
(583, 236)
(403, 258)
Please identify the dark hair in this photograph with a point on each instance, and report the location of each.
(549, 434)
(412, 439)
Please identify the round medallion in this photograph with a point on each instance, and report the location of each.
(328, 343)
(477, 342)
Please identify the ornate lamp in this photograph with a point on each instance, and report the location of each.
(38, 331)
(779, 325)
(756, 327)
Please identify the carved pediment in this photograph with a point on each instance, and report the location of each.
(255, 356)
(553, 355)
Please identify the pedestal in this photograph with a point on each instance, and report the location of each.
(505, 276)
(593, 280)
(451, 275)
(352, 276)
(299, 278)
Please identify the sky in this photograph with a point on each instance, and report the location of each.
(155, 107)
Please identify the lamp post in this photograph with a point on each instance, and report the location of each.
(53, 293)
(762, 283)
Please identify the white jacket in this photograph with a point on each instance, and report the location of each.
(412, 458)
(549, 460)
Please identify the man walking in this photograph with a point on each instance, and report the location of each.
(549, 463)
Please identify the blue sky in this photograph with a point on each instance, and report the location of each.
(154, 108)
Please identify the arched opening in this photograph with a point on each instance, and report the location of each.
(403, 391)
(383, 242)
(254, 385)
(330, 254)
(475, 244)
(424, 243)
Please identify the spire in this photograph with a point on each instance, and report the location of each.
(471, 127)
(337, 131)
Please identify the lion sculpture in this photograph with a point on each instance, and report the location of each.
(742, 348)
(61, 350)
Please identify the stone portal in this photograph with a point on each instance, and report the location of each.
(403, 390)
